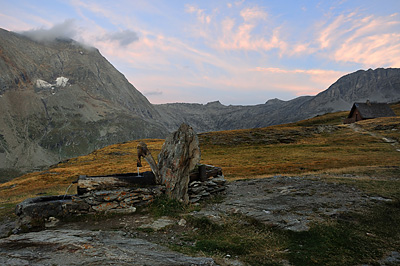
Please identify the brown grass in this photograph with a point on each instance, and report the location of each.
(292, 149)
(119, 158)
(335, 150)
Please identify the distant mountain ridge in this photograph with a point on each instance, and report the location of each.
(61, 99)
(379, 85)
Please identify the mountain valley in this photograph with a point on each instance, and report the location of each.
(62, 99)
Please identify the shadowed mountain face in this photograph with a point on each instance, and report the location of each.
(61, 99)
(380, 85)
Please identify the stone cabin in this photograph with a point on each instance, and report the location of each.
(368, 110)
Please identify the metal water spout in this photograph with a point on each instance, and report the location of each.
(143, 151)
(73, 182)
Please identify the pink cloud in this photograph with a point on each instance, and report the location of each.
(370, 40)
(253, 13)
(332, 31)
(249, 34)
(319, 77)
(227, 49)
(201, 15)
(13, 23)
(243, 38)
(372, 51)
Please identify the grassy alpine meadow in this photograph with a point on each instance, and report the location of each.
(318, 145)
(119, 158)
(299, 149)
(365, 155)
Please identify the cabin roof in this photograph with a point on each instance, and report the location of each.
(372, 110)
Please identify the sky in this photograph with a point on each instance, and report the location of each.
(240, 52)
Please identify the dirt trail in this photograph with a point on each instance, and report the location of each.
(361, 130)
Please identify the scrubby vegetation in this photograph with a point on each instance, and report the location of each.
(351, 239)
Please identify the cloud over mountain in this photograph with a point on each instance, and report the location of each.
(124, 37)
(64, 30)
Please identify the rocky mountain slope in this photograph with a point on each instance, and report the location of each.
(61, 99)
(381, 85)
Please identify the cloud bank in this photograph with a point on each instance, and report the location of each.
(124, 37)
(242, 52)
(152, 93)
(64, 30)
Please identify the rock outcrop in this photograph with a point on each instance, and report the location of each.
(85, 247)
(179, 155)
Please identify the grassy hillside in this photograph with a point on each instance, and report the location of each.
(318, 145)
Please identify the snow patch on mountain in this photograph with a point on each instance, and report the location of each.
(43, 84)
(59, 82)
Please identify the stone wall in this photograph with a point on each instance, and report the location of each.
(199, 190)
(123, 200)
(34, 212)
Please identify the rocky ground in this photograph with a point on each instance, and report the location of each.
(287, 202)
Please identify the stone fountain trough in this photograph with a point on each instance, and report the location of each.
(177, 174)
(119, 193)
(111, 182)
(109, 193)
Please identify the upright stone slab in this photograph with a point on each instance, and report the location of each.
(179, 155)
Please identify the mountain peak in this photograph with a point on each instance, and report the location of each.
(60, 100)
(214, 103)
(274, 101)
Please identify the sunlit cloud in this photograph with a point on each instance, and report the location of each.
(317, 77)
(11, 22)
(369, 40)
(253, 14)
(200, 13)
(244, 36)
(334, 30)
(234, 49)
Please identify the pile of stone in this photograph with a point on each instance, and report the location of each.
(124, 200)
(199, 190)
(34, 212)
(114, 194)
(205, 180)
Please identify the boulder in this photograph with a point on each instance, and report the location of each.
(179, 155)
